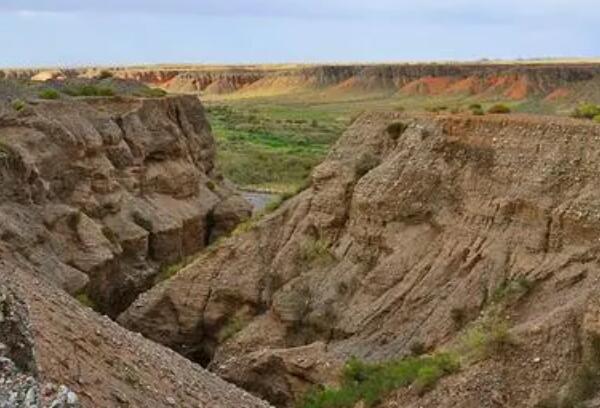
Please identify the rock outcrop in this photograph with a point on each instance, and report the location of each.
(413, 228)
(100, 193)
(50, 339)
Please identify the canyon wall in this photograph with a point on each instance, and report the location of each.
(414, 228)
(100, 194)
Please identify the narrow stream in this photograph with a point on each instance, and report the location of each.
(259, 200)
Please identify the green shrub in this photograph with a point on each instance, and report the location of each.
(315, 252)
(89, 90)
(512, 289)
(274, 204)
(396, 129)
(458, 316)
(417, 348)
(436, 109)
(245, 227)
(586, 111)
(105, 74)
(487, 338)
(154, 93)
(49, 93)
(233, 326)
(499, 109)
(477, 111)
(371, 382)
(18, 105)
(475, 106)
(85, 300)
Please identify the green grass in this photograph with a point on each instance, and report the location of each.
(371, 382)
(486, 338)
(18, 105)
(270, 147)
(273, 142)
(85, 300)
(315, 252)
(153, 93)
(89, 91)
(49, 94)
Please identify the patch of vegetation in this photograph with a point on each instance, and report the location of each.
(315, 252)
(396, 129)
(499, 109)
(245, 227)
(458, 316)
(211, 185)
(18, 105)
(153, 93)
(474, 106)
(366, 163)
(371, 382)
(105, 74)
(586, 111)
(512, 289)
(489, 337)
(417, 348)
(233, 326)
(167, 271)
(477, 111)
(268, 147)
(83, 298)
(436, 108)
(89, 91)
(49, 93)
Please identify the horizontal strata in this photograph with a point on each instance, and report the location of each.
(407, 220)
(511, 81)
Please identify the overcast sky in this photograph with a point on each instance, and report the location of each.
(89, 32)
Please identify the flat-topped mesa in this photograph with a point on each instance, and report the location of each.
(511, 81)
(412, 229)
(554, 82)
(100, 193)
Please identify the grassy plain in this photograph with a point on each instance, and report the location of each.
(272, 143)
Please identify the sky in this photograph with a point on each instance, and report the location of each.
(119, 32)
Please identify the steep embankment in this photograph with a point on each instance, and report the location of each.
(553, 82)
(100, 194)
(103, 365)
(95, 196)
(414, 232)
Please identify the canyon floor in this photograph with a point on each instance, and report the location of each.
(416, 253)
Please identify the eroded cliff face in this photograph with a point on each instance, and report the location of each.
(56, 353)
(410, 229)
(554, 82)
(98, 194)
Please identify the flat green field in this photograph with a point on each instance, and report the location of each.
(273, 143)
